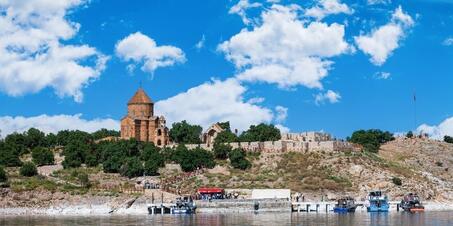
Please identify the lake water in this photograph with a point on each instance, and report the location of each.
(428, 218)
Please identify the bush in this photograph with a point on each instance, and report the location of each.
(132, 168)
(3, 176)
(221, 150)
(84, 180)
(9, 155)
(91, 160)
(261, 132)
(448, 139)
(397, 181)
(42, 156)
(28, 170)
(75, 153)
(184, 133)
(226, 136)
(371, 140)
(151, 167)
(410, 134)
(238, 160)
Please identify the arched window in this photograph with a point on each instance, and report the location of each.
(159, 132)
(159, 143)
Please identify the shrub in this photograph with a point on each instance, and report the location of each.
(3, 176)
(84, 180)
(91, 160)
(397, 181)
(410, 134)
(221, 150)
(448, 139)
(9, 155)
(238, 160)
(132, 168)
(261, 132)
(151, 167)
(42, 156)
(184, 133)
(371, 140)
(439, 164)
(28, 170)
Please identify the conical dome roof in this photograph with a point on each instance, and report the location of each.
(140, 97)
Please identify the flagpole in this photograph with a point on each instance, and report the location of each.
(415, 110)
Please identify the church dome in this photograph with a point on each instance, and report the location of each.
(140, 97)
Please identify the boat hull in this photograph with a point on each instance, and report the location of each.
(343, 210)
(377, 209)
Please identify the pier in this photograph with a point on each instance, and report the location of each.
(161, 208)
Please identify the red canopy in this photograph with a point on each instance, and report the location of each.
(210, 190)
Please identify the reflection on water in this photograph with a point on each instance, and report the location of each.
(428, 218)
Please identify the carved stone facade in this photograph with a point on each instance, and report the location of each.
(211, 133)
(140, 122)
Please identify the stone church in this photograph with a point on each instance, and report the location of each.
(140, 122)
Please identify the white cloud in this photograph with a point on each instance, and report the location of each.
(382, 75)
(285, 50)
(381, 43)
(328, 7)
(375, 2)
(330, 96)
(54, 123)
(241, 7)
(256, 100)
(200, 44)
(33, 55)
(448, 42)
(140, 49)
(282, 113)
(282, 128)
(438, 131)
(212, 102)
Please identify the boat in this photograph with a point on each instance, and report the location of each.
(411, 203)
(377, 202)
(184, 206)
(345, 205)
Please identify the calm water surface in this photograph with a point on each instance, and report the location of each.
(429, 218)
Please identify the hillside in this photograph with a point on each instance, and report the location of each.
(420, 165)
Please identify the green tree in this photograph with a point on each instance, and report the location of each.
(153, 158)
(238, 160)
(9, 155)
(132, 168)
(371, 140)
(152, 167)
(184, 133)
(35, 138)
(16, 142)
(42, 156)
(410, 134)
(91, 160)
(75, 153)
(51, 140)
(103, 133)
(226, 136)
(3, 176)
(448, 139)
(28, 169)
(221, 150)
(261, 132)
(225, 125)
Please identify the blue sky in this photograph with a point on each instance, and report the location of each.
(329, 65)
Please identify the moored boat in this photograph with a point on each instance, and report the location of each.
(411, 203)
(345, 205)
(377, 202)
